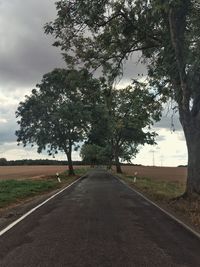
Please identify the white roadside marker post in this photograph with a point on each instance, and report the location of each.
(57, 174)
(135, 177)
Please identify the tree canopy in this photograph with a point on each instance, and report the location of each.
(122, 127)
(107, 32)
(94, 154)
(133, 113)
(55, 115)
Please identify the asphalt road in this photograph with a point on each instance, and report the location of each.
(99, 222)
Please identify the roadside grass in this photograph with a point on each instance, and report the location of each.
(158, 190)
(16, 191)
(165, 194)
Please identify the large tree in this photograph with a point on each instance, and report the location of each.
(133, 112)
(122, 125)
(55, 115)
(107, 32)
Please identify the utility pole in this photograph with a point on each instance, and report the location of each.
(153, 156)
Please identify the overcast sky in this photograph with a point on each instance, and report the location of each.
(26, 54)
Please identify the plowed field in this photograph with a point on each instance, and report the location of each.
(161, 173)
(23, 172)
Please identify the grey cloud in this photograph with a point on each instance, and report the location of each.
(3, 111)
(133, 68)
(7, 131)
(169, 123)
(7, 136)
(25, 52)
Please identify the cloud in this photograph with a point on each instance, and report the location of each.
(180, 136)
(7, 130)
(169, 152)
(168, 123)
(2, 121)
(134, 68)
(160, 138)
(26, 52)
(169, 120)
(11, 151)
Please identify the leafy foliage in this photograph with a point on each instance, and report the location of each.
(133, 112)
(55, 115)
(93, 154)
(107, 32)
(128, 113)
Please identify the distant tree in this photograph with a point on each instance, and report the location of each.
(133, 113)
(3, 162)
(100, 125)
(89, 154)
(94, 154)
(121, 126)
(55, 115)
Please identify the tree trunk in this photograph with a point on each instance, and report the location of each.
(189, 117)
(68, 152)
(192, 135)
(70, 165)
(117, 164)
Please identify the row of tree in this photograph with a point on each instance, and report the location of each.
(70, 108)
(35, 162)
(105, 33)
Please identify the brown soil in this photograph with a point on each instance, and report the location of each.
(24, 172)
(178, 174)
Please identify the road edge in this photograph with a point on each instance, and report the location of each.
(188, 228)
(11, 225)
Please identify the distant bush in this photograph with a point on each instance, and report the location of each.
(131, 164)
(182, 166)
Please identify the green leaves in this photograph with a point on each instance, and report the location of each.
(133, 110)
(107, 33)
(119, 124)
(55, 115)
(94, 154)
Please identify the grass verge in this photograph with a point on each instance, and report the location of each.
(163, 193)
(155, 189)
(15, 191)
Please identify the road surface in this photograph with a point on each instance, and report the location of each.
(99, 222)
